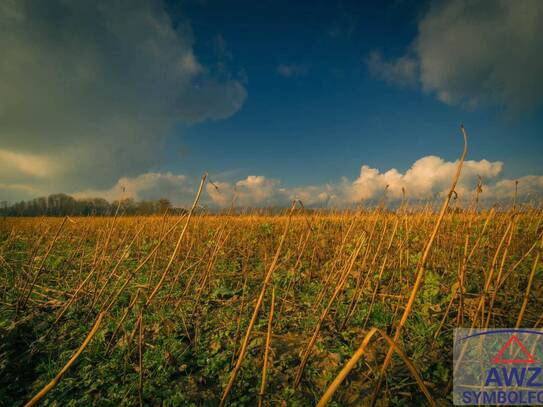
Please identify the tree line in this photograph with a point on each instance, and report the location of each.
(63, 204)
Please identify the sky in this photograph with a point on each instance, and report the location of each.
(327, 102)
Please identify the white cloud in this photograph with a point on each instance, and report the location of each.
(314, 195)
(220, 193)
(291, 70)
(428, 178)
(147, 186)
(476, 52)
(255, 190)
(95, 87)
(530, 186)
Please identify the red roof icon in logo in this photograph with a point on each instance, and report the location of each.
(529, 358)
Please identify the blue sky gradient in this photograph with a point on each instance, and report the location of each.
(276, 100)
(324, 123)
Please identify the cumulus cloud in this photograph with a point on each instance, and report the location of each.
(255, 190)
(530, 186)
(314, 195)
(291, 70)
(90, 90)
(476, 52)
(427, 178)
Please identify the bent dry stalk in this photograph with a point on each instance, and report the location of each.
(42, 263)
(356, 357)
(266, 350)
(67, 366)
(339, 287)
(267, 279)
(421, 269)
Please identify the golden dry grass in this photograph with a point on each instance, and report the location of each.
(336, 276)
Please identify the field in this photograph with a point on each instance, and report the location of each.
(186, 310)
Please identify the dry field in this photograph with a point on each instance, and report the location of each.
(189, 310)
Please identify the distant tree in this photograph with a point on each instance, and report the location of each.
(164, 204)
(62, 205)
(128, 206)
(145, 208)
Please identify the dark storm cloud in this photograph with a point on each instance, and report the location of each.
(90, 89)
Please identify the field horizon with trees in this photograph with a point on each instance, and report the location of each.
(66, 205)
(300, 308)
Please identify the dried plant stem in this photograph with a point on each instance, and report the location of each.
(42, 263)
(258, 304)
(294, 270)
(381, 271)
(267, 350)
(500, 272)
(119, 324)
(115, 268)
(519, 262)
(359, 284)
(421, 269)
(459, 289)
(140, 359)
(59, 375)
(111, 300)
(529, 287)
(339, 287)
(175, 251)
(489, 277)
(335, 264)
(356, 357)
(178, 244)
(241, 308)
(152, 271)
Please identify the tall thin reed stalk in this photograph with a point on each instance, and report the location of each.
(421, 269)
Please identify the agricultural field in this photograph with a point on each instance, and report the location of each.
(247, 309)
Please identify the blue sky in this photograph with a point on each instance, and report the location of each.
(297, 94)
(325, 122)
